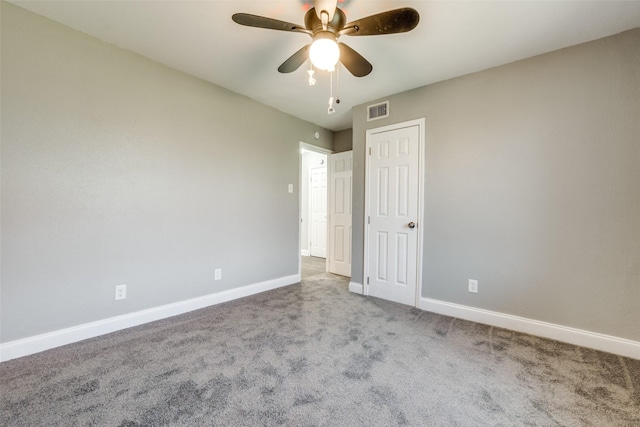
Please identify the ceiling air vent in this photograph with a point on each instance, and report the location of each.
(378, 111)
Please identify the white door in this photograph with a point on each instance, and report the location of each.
(341, 166)
(318, 244)
(393, 207)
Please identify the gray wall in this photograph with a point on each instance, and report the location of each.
(532, 186)
(343, 140)
(118, 170)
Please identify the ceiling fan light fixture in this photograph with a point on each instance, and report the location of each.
(325, 23)
(324, 52)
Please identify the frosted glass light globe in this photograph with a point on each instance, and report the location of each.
(324, 54)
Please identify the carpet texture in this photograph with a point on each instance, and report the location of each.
(313, 354)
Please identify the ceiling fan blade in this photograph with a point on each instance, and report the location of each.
(295, 61)
(353, 61)
(327, 5)
(390, 22)
(268, 23)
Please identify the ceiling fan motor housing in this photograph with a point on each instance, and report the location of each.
(313, 23)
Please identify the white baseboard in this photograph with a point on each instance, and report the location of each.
(305, 252)
(608, 343)
(356, 288)
(38, 343)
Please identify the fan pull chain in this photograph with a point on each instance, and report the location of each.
(310, 71)
(331, 110)
(338, 84)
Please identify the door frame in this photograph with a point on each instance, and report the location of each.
(421, 185)
(319, 150)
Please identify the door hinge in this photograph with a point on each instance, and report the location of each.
(367, 280)
(368, 220)
(369, 150)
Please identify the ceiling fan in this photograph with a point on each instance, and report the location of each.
(325, 22)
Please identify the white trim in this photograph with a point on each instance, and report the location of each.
(422, 151)
(49, 340)
(356, 288)
(602, 342)
(305, 252)
(315, 148)
(422, 146)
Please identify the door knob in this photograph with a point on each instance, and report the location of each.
(412, 224)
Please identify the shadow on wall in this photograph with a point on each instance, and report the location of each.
(343, 141)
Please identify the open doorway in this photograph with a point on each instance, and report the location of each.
(313, 209)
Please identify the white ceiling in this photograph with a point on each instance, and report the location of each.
(453, 38)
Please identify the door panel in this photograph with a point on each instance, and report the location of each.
(383, 258)
(341, 165)
(383, 192)
(402, 249)
(393, 166)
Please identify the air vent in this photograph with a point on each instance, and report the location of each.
(378, 111)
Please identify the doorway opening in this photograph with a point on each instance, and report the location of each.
(314, 175)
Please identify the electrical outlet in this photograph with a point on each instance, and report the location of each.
(218, 274)
(473, 286)
(121, 292)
